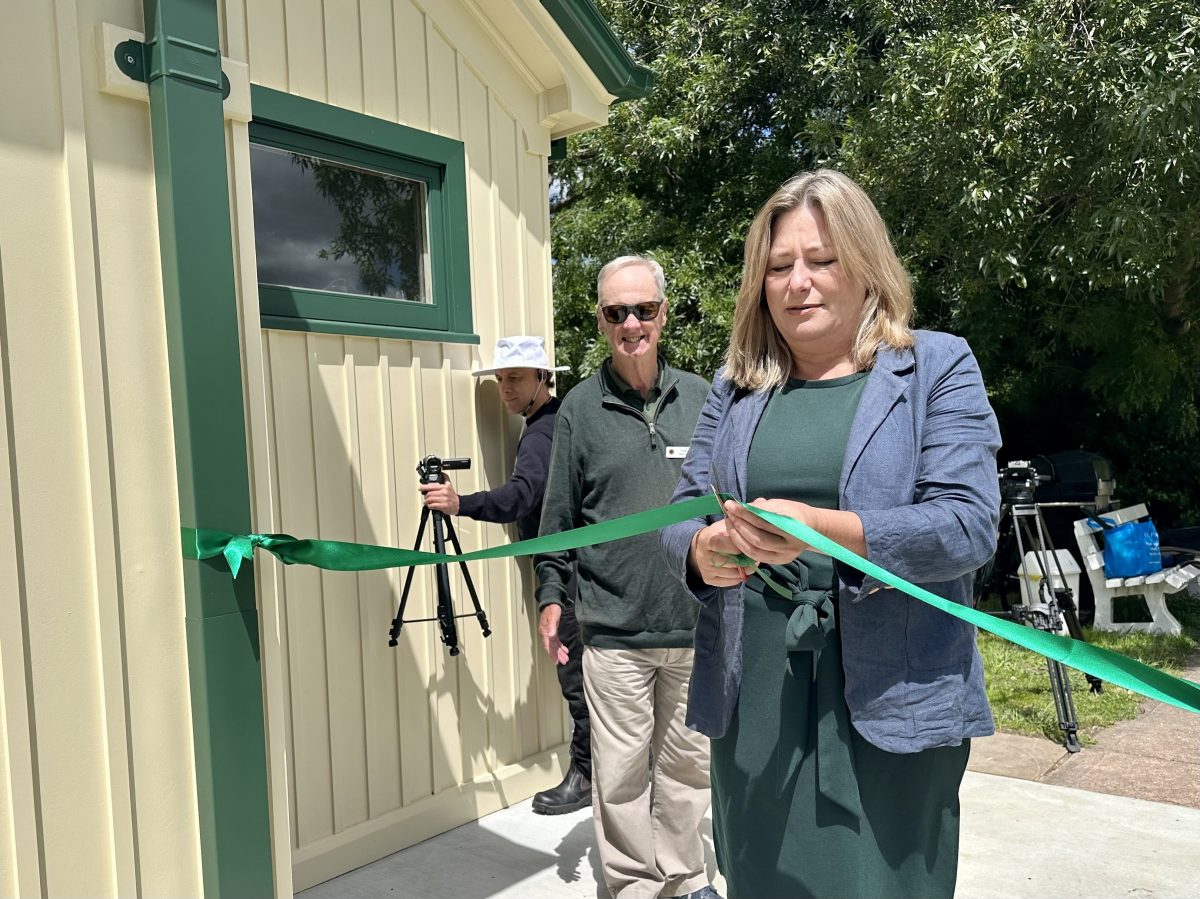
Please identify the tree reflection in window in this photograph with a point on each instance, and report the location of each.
(328, 226)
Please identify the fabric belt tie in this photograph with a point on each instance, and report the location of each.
(810, 630)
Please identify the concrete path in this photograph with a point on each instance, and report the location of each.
(1025, 840)
(1020, 840)
(1155, 756)
(1121, 818)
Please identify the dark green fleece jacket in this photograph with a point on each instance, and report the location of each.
(615, 455)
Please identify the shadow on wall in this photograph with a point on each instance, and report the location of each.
(373, 729)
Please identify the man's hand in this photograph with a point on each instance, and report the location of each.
(440, 497)
(548, 629)
(709, 557)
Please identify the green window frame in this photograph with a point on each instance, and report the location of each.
(299, 125)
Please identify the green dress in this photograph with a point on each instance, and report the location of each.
(802, 804)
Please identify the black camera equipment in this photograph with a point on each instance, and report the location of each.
(1048, 602)
(430, 469)
(1075, 477)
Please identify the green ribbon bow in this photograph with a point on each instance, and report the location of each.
(201, 543)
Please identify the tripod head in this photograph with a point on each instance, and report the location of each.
(431, 467)
(1018, 481)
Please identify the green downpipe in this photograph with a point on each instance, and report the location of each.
(183, 64)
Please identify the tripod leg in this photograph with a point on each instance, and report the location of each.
(479, 613)
(1064, 599)
(1029, 595)
(445, 607)
(1064, 705)
(1008, 546)
(1071, 617)
(398, 621)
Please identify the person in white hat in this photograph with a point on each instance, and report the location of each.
(525, 376)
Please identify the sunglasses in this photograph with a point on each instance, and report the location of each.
(618, 312)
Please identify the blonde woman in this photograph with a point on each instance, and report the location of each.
(840, 714)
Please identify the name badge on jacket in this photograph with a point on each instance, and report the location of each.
(677, 452)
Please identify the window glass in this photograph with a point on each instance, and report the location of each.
(322, 225)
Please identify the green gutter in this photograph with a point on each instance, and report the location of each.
(605, 55)
(183, 70)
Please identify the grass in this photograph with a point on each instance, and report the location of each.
(1018, 685)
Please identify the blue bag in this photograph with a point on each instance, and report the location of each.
(1130, 549)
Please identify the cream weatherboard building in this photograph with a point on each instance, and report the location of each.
(250, 251)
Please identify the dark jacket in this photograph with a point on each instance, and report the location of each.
(610, 459)
(920, 471)
(519, 499)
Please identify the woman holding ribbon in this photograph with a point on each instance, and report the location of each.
(840, 710)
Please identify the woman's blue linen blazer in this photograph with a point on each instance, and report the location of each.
(920, 471)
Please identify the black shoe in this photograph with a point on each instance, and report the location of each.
(574, 793)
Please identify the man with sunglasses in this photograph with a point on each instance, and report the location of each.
(619, 445)
(524, 376)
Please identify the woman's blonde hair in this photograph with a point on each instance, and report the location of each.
(758, 356)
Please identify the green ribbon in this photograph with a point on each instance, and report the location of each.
(334, 555)
(201, 543)
(1095, 660)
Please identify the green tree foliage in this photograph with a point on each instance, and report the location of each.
(1038, 162)
(679, 174)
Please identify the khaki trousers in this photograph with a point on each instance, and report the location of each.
(647, 821)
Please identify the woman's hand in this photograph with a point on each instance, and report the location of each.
(753, 537)
(710, 557)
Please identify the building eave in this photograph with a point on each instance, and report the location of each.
(605, 55)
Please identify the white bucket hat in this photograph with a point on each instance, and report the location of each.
(519, 352)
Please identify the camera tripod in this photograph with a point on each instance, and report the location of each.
(430, 469)
(1048, 601)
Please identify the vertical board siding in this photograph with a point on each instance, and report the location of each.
(506, 154)
(97, 780)
(98, 793)
(435, 426)
(304, 38)
(538, 312)
(474, 679)
(275, 578)
(20, 827)
(412, 73)
(295, 473)
(96, 426)
(333, 443)
(492, 459)
(343, 54)
(383, 740)
(414, 653)
(379, 60)
(374, 524)
(267, 45)
(536, 210)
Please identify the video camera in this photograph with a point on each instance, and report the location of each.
(1018, 482)
(1069, 478)
(431, 467)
